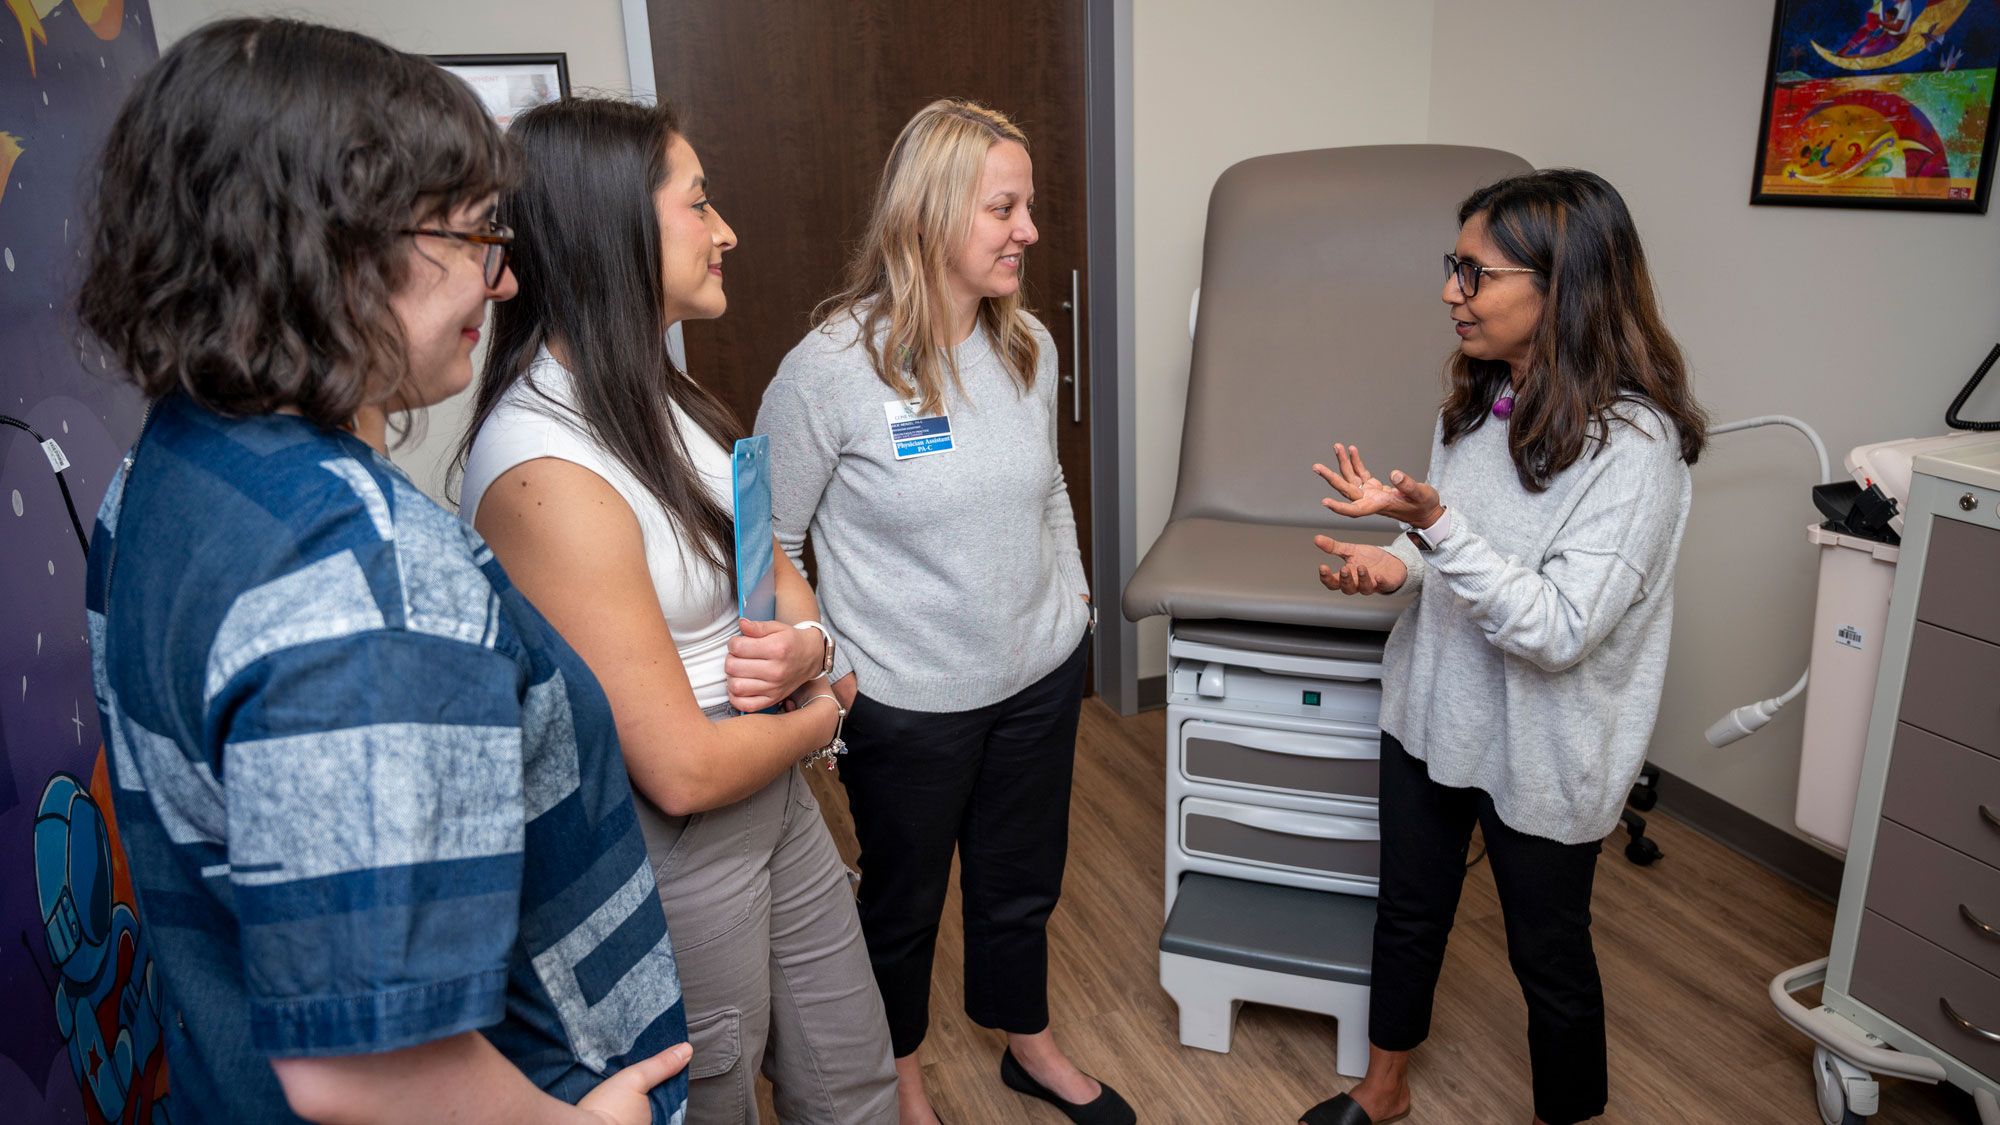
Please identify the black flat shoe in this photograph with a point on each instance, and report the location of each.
(1106, 1109)
(1343, 1110)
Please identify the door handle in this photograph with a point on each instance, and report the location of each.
(1074, 307)
(1988, 816)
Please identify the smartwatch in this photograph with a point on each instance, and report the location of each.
(1427, 539)
(826, 663)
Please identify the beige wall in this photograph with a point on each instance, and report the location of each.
(590, 32)
(1213, 84)
(1862, 323)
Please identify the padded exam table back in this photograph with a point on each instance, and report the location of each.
(1319, 320)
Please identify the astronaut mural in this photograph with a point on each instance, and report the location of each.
(80, 1036)
(107, 1001)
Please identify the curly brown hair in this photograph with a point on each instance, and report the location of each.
(245, 234)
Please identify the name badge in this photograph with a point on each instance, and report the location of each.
(917, 435)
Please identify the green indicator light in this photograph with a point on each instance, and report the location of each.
(1312, 699)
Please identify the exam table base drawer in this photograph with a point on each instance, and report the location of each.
(1281, 761)
(1903, 977)
(1278, 839)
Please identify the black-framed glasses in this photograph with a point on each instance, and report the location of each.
(497, 239)
(1469, 273)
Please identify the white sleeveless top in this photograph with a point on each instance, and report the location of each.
(697, 603)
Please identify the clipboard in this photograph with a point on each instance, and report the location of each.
(756, 587)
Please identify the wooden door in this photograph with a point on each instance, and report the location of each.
(792, 106)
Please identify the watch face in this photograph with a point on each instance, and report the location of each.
(1417, 538)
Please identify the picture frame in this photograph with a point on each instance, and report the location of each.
(511, 84)
(1879, 104)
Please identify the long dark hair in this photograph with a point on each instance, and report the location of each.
(1600, 343)
(245, 239)
(587, 256)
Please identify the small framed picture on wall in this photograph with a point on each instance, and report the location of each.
(1879, 104)
(511, 84)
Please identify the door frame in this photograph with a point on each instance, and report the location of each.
(1111, 375)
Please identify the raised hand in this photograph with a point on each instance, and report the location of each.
(1401, 498)
(621, 1099)
(1363, 569)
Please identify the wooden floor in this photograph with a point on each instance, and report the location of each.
(1686, 949)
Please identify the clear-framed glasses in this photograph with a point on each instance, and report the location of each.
(1469, 273)
(498, 241)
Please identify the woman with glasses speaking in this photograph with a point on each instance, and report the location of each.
(1520, 688)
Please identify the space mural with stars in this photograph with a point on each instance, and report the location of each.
(80, 1037)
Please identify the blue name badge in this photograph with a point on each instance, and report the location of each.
(917, 435)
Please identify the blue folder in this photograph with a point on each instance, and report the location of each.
(756, 588)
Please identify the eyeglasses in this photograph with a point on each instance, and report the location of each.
(497, 239)
(1468, 273)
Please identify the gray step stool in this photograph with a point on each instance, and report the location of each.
(1228, 941)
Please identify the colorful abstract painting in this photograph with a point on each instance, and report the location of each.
(1880, 103)
(82, 1032)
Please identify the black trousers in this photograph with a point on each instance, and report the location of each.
(1545, 899)
(993, 783)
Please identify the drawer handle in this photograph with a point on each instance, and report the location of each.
(1989, 816)
(1972, 919)
(1967, 1025)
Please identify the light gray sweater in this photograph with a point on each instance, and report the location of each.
(1531, 663)
(951, 580)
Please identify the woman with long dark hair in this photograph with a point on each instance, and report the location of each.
(913, 433)
(373, 803)
(601, 477)
(1519, 690)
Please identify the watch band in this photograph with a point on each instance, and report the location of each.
(826, 663)
(1427, 539)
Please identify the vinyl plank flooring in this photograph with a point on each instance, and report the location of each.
(1686, 948)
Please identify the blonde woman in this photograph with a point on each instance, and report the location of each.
(913, 435)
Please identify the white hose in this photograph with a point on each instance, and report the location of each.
(1751, 717)
(1819, 447)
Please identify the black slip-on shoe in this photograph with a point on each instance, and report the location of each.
(1343, 1110)
(1106, 1109)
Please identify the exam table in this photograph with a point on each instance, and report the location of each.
(1319, 320)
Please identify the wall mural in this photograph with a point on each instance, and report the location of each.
(80, 1039)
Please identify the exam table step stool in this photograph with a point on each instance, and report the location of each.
(1229, 941)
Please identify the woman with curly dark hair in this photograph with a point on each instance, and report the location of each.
(1520, 689)
(374, 805)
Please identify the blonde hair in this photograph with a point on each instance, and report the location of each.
(897, 284)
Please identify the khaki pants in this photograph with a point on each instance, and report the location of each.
(773, 970)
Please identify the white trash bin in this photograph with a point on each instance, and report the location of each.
(1855, 579)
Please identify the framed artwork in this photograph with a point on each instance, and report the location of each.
(1879, 103)
(511, 84)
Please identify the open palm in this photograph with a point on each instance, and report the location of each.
(1363, 568)
(1363, 494)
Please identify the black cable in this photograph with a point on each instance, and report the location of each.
(82, 540)
(1951, 417)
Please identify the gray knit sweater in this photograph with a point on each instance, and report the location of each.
(1531, 663)
(951, 580)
